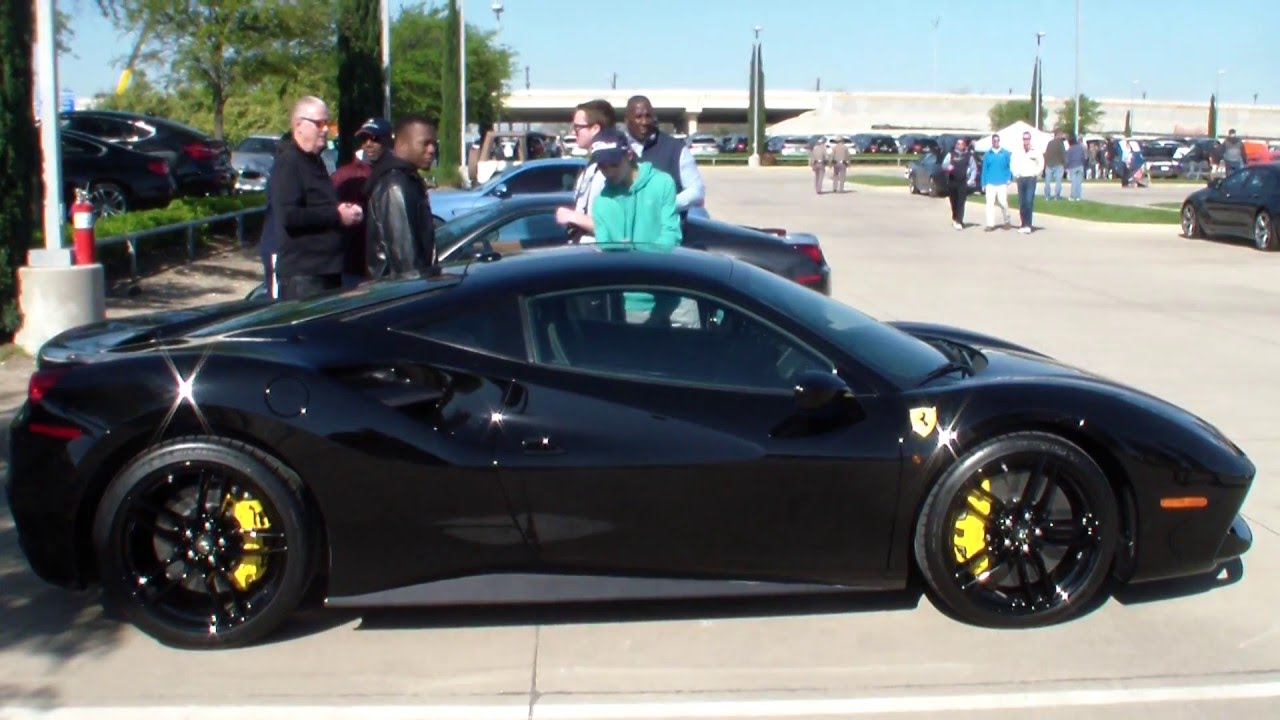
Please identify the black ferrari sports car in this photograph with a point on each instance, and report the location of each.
(589, 424)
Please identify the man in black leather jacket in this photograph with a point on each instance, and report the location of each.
(401, 240)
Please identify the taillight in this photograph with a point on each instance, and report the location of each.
(199, 151)
(42, 381)
(813, 251)
(159, 167)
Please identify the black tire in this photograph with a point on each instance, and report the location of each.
(934, 189)
(196, 602)
(1058, 564)
(1191, 222)
(1264, 232)
(911, 184)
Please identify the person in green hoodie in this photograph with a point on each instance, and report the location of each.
(636, 210)
(638, 202)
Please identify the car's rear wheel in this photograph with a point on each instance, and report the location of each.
(935, 190)
(204, 543)
(1264, 232)
(1019, 532)
(108, 198)
(1191, 222)
(911, 184)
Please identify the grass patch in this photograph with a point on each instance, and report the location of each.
(879, 180)
(9, 351)
(1094, 211)
(1168, 205)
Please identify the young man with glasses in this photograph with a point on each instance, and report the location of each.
(308, 214)
(1027, 164)
(588, 120)
(996, 177)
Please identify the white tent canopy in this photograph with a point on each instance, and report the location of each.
(1011, 138)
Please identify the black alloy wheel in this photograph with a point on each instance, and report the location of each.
(108, 198)
(1019, 532)
(203, 543)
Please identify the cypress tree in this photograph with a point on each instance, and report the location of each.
(450, 129)
(20, 163)
(1213, 116)
(360, 92)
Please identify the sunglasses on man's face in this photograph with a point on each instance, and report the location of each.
(320, 124)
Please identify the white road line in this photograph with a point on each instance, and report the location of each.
(838, 707)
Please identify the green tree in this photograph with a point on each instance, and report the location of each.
(1010, 111)
(450, 130)
(1128, 123)
(756, 123)
(225, 47)
(424, 44)
(20, 162)
(360, 93)
(1037, 95)
(1213, 116)
(1090, 115)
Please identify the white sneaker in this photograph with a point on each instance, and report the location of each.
(957, 226)
(1024, 230)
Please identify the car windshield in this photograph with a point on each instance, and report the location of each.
(257, 145)
(285, 312)
(901, 358)
(463, 225)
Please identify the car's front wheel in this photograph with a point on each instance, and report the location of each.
(204, 543)
(1264, 232)
(1191, 222)
(1019, 532)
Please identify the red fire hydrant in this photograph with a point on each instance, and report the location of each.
(82, 223)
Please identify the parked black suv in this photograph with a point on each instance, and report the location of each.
(200, 164)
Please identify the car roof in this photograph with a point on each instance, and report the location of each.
(600, 264)
(135, 116)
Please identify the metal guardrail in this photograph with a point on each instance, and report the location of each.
(131, 238)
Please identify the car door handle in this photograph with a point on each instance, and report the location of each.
(541, 446)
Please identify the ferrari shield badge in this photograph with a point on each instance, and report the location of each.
(924, 420)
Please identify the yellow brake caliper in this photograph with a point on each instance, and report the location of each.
(971, 531)
(251, 518)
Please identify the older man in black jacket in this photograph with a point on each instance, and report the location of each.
(306, 207)
(401, 240)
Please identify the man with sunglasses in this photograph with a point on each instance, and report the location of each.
(305, 203)
(1027, 164)
(350, 180)
(588, 120)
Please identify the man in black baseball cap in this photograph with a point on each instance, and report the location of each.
(374, 137)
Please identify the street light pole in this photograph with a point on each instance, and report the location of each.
(385, 13)
(754, 160)
(1039, 88)
(462, 91)
(1077, 102)
(936, 21)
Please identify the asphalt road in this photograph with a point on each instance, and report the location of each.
(1192, 320)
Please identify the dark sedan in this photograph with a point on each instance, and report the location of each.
(1245, 204)
(117, 179)
(594, 424)
(200, 164)
(925, 176)
(528, 222)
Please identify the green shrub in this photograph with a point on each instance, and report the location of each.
(178, 211)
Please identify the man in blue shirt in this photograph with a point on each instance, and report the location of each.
(996, 177)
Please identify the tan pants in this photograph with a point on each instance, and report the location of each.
(819, 172)
(837, 177)
(997, 194)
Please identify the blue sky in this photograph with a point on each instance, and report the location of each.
(1174, 48)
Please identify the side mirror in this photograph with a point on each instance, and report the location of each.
(817, 391)
(501, 191)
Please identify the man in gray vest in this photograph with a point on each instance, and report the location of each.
(667, 154)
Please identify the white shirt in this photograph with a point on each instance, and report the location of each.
(585, 191)
(1026, 163)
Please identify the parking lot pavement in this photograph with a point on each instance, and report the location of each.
(1191, 320)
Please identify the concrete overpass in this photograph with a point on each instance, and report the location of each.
(817, 112)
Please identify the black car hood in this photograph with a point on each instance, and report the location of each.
(89, 342)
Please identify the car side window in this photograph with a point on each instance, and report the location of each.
(1259, 183)
(1235, 182)
(538, 180)
(493, 328)
(666, 335)
(526, 232)
(79, 148)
